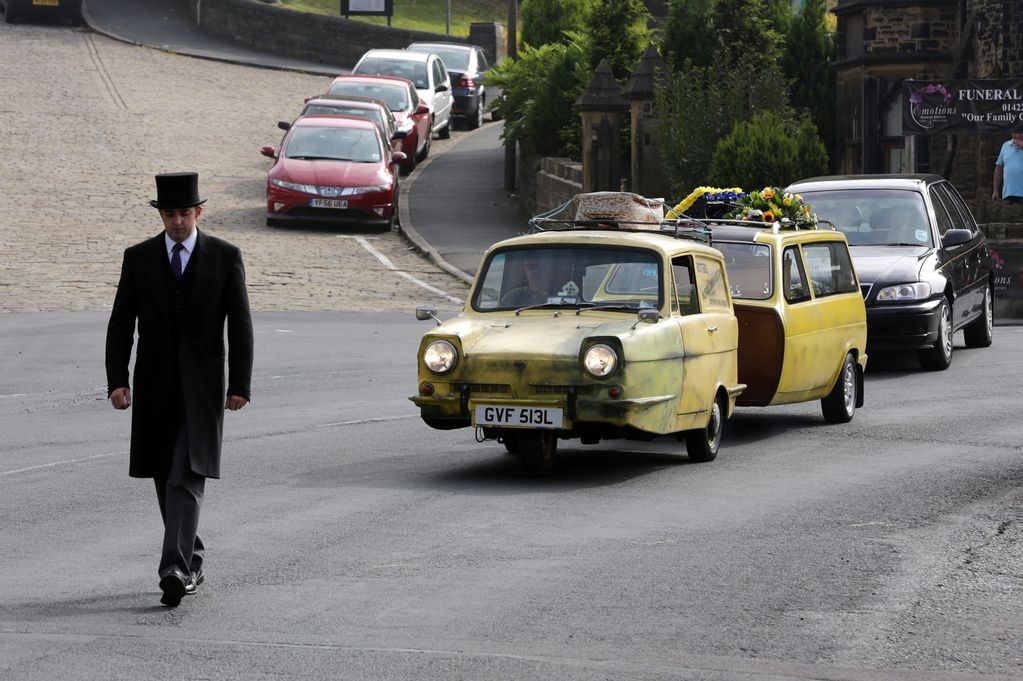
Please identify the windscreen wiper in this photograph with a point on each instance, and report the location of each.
(624, 307)
(540, 306)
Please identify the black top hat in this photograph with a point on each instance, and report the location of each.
(177, 190)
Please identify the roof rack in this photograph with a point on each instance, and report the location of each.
(694, 230)
(683, 227)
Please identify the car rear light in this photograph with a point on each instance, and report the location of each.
(426, 389)
(614, 392)
(466, 82)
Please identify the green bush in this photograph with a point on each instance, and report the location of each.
(539, 91)
(768, 151)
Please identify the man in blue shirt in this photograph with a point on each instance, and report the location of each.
(1008, 181)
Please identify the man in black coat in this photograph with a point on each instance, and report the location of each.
(180, 287)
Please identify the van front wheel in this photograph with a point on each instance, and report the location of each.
(702, 444)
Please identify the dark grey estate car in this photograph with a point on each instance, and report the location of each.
(922, 262)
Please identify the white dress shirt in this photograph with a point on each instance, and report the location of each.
(186, 252)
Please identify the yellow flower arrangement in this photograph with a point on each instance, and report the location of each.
(763, 206)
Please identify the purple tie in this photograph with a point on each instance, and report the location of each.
(176, 260)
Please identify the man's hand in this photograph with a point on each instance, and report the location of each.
(235, 402)
(121, 398)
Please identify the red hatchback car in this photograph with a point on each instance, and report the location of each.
(412, 114)
(333, 170)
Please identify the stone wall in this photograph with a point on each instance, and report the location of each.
(329, 40)
(546, 183)
(912, 30)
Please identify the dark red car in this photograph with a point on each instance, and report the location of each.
(412, 114)
(333, 170)
(358, 107)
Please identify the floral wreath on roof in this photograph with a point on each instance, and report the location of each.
(730, 195)
(771, 204)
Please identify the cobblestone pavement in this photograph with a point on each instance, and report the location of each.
(85, 123)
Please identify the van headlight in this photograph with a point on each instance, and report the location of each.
(920, 290)
(600, 360)
(440, 357)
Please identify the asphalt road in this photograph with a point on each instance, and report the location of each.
(348, 540)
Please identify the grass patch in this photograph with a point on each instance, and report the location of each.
(421, 15)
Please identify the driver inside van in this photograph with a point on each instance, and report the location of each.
(531, 291)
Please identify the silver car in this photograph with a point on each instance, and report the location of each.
(425, 70)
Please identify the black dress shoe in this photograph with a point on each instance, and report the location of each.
(196, 579)
(173, 587)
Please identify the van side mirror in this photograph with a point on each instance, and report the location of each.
(648, 316)
(427, 312)
(284, 125)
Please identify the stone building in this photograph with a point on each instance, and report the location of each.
(881, 43)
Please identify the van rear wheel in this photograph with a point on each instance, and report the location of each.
(840, 404)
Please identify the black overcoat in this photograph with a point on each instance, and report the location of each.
(180, 357)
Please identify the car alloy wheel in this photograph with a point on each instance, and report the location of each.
(979, 333)
(939, 357)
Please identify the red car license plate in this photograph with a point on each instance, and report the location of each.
(328, 203)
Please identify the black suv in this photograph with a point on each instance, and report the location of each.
(922, 262)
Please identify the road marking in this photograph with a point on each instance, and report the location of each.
(354, 422)
(391, 266)
(359, 422)
(55, 463)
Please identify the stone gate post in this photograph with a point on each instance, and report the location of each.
(601, 106)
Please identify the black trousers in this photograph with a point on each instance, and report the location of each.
(180, 493)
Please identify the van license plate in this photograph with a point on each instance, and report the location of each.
(519, 417)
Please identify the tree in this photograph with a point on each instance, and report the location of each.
(549, 21)
(779, 15)
(685, 33)
(706, 32)
(616, 30)
(768, 150)
(700, 105)
(809, 52)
